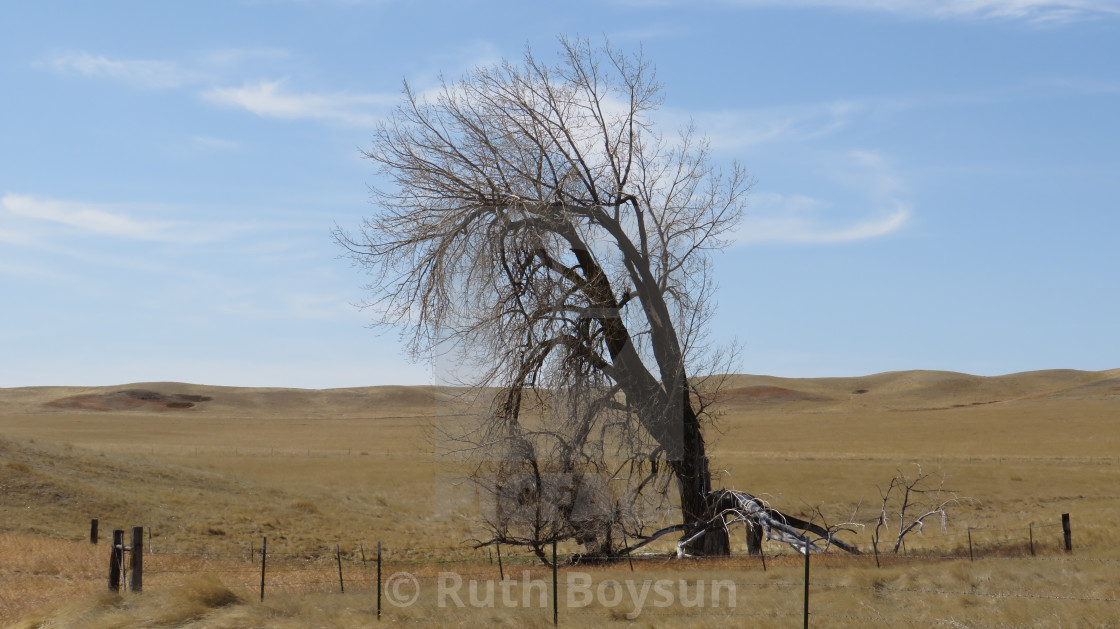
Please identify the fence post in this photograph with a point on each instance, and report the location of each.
(970, 558)
(806, 582)
(555, 599)
(136, 577)
(264, 557)
(93, 531)
(379, 581)
(338, 557)
(1030, 529)
(629, 559)
(116, 554)
(1066, 531)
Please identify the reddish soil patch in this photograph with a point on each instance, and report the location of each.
(764, 394)
(129, 400)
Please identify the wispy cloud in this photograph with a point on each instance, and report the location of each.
(799, 219)
(287, 304)
(1036, 11)
(1030, 10)
(798, 122)
(878, 209)
(83, 217)
(272, 99)
(208, 67)
(97, 219)
(745, 128)
(209, 76)
(145, 73)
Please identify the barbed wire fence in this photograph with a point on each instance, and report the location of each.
(251, 570)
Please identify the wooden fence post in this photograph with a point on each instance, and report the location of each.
(378, 581)
(1067, 533)
(136, 577)
(116, 556)
(93, 531)
(1030, 529)
(970, 557)
(338, 558)
(264, 556)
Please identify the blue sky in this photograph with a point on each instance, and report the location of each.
(938, 183)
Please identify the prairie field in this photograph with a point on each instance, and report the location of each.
(327, 475)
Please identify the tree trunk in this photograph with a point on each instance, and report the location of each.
(667, 410)
(695, 483)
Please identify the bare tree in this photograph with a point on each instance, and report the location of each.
(540, 226)
(910, 500)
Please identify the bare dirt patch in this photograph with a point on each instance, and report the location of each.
(130, 400)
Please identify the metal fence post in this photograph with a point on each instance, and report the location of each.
(555, 600)
(806, 583)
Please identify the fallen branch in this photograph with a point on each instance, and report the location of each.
(730, 506)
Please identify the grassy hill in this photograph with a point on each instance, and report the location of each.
(219, 467)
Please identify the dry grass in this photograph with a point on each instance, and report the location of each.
(310, 469)
(846, 592)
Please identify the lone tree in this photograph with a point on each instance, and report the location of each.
(538, 223)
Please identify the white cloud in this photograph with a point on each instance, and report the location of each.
(285, 305)
(746, 128)
(206, 67)
(266, 98)
(83, 216)
(270, 99)
(1038, 11)
(878, 209)
(95, 219)
(137, 72)
(777, 218)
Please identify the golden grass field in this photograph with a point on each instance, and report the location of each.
(214, 469)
